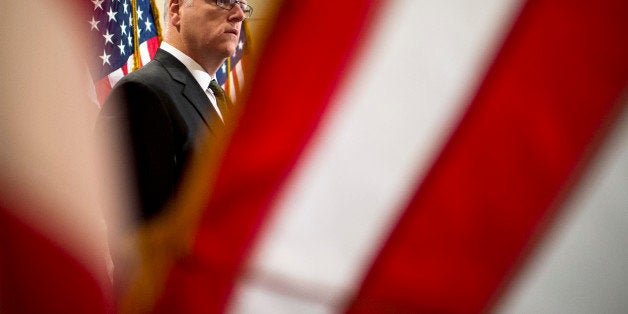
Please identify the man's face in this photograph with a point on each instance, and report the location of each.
(208, 30)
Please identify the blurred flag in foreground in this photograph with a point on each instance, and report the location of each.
(418, 160)
(125, 35)
(53, 246)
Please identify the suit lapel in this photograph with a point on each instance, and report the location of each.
(191, 90)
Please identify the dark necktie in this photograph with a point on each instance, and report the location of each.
(221, 98)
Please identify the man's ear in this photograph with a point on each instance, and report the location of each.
(173, 12)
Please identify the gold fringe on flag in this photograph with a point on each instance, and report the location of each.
(228, 80)
(157, 19)
(136, 37)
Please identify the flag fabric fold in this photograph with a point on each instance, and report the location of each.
(452, 242)
(542, 109)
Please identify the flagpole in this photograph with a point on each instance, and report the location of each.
(136, 40)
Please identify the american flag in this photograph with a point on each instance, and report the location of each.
(125, 35)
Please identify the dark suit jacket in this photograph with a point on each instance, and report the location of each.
(164, 111)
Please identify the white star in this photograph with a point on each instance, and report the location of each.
(105, 58)
(123, 28)
(139, 13)
(240, 45)
(94, 24)
(223, 68)
(148, 24)
(112, 15)
(108, 37)
(97, 4)
(130, 39)
(126, 6)
(122, 46)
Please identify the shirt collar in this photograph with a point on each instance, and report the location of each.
(202, 77)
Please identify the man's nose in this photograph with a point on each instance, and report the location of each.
(236, 13)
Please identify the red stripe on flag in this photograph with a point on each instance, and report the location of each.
(128, 65)
(152, 44)
(277, 122)
(38, 276)
(103, 88)
(552, 90)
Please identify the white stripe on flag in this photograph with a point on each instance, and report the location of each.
(144, 53)
(232, 89)
(581, 268)
(371, 151)
(239, 75)
(130, 63)
(115, 76)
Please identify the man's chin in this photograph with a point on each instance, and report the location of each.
(229, 52)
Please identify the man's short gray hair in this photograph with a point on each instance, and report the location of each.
(166, 13)
(167, 5)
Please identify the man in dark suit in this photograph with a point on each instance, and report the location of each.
(168, 104)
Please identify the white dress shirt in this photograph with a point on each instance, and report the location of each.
(202, 77)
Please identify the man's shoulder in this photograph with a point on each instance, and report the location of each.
(149, 82)
(162, 71)
(152, 72)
